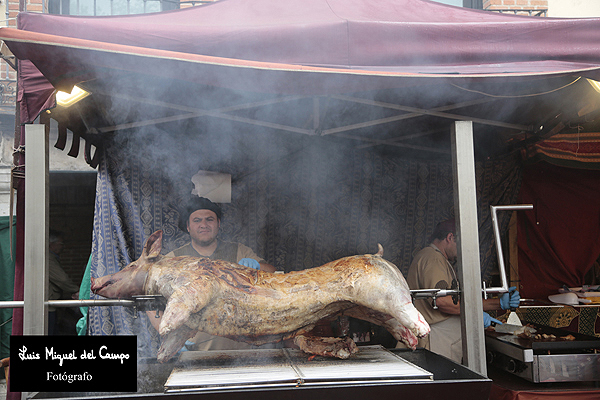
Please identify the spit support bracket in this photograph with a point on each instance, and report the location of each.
(149, 303)
(435, 293)
(501, 266)
(454, 290)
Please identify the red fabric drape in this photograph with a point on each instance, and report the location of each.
(580, 150)
(35, 93)
(558, 240)
(17, 322)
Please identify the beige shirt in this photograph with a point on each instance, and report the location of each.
(431, 270)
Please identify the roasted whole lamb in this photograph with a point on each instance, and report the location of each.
(226, 299)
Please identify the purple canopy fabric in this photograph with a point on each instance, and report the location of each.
(393, 35)
(313, 46)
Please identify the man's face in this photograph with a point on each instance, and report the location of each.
(452, 251)
(57, 246)
(203, 226)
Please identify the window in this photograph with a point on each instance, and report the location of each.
(478, 4)
(109, 7)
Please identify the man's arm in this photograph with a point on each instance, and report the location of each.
(446, 305)
(491, 304)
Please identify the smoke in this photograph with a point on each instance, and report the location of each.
(305, 190)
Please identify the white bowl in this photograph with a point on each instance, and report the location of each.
(564, 298)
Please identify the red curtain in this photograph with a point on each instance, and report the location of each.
(559, 239)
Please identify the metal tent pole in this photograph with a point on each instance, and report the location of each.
(35, 315)
(469, 271)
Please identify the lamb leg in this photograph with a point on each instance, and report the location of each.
(173, 342)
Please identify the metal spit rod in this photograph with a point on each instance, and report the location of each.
(434, 294)
(417, 294)
(73, 303)
(425, 293)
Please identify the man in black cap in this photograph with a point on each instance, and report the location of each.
(201, 218)
(432, 268)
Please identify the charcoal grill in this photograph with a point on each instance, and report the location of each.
(546, 360)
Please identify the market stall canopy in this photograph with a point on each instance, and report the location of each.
(439, 59)
(359, 36)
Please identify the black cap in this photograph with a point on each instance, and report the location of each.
(193, 204)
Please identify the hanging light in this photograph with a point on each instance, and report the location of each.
(65, 99)
(595, 85)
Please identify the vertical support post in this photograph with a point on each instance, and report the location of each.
(513, 251)
(316, 115)
(35, 315)
(469, 271)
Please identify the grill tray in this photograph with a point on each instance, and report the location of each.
(546, 360)
(581, 342)
(240, 369)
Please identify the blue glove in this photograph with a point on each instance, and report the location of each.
(249, 262)
(510, 299)
(487, 320)
(188, 343)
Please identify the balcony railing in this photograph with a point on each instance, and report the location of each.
(538, 12)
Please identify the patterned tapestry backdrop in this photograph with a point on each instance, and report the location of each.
(306, 205)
